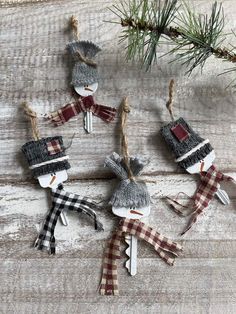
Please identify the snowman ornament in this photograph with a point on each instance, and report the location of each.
(48, 162)
(196, 155)
(85, 75)
(130, 200)
(85, 83)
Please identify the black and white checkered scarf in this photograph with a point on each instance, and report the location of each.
(63, 201)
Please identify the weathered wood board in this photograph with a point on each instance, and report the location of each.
(34, 66)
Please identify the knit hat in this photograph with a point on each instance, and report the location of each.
(46, 155)
(83, 73)
(128, 193)
(187, 146)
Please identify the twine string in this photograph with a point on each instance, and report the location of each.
(125, 110)
(169, 104)
(74, 25)
(32, 115)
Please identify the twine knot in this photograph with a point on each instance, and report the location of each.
(74, 25)
(125, 105)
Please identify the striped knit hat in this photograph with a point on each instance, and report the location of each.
(187, 146)
(46, 155)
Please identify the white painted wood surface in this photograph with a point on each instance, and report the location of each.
(35, 67)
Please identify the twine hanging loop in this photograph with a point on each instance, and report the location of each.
(74, 25)
(169, 104)
(125, 110)
(32, 115)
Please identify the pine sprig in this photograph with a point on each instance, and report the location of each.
(200, 36)
(145, 23)
(195, 37)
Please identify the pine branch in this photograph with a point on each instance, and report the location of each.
(196, 36)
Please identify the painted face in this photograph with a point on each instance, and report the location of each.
(131, 212)
(86, 90)
(52, 180)
(202, 165)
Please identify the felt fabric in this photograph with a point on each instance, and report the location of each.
(82, 73)
(180, 145)
(84, 104)
(210, 183)
(128, 192)
(64, 201)
(165, 248)
(46, 150)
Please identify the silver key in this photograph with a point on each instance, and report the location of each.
(223, 197)
(63, 218)
(131, 251)
(88, 122)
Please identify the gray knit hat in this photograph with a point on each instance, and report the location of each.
(187, 146)
(46, 155)
(128, 193)
(83, 74)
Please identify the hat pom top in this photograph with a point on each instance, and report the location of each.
(128, 193)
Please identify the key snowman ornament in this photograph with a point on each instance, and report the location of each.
(131, 202)
(85, 83)
(49, 163)
(195, 155)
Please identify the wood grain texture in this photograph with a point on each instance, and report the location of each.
(34, 66)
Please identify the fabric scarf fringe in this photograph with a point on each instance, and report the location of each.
(44, 243)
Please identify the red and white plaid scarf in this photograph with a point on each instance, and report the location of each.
(164, 247)
(210, 183)
(84, 104)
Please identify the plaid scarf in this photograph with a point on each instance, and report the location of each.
(164, 247)
(84, 104)
(210, 183)
(62, 200)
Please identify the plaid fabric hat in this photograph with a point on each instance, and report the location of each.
(46, 155)
(83, 74)
(128, 193)
(187, 146)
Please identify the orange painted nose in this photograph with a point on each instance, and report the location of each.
(52, 180)
(89, 89)
(136, 212)
(202, 166)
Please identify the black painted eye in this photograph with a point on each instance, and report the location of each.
(51, 174)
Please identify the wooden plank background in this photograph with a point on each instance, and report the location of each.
(34, 67)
